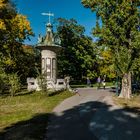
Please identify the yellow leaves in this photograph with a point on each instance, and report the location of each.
(9, 62)
(106, 63)
(2, 4)
(16, 24)
(28, 49)
(106, 55)
(21, 26)
(2, 25)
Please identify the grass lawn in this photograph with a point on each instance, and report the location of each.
(25, 117)
(92, 85)
(133, 104)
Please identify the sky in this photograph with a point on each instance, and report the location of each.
(60, 8)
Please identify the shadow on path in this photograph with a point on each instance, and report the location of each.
(95, 120)
(32, 129)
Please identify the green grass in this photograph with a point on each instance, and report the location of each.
(134, 102)
(92, 85)
(107, 84)
(78, 86)
(25, 117)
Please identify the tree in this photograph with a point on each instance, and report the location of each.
(30, 62)
(119, 30)
(105, 63)
(42, 81)
(14, 83)
(77, 58)
(14, 29)
(2, 77)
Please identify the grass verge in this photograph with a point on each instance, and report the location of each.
(25, 117)
(92, 85)
(134, 102)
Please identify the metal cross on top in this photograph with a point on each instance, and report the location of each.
(48, 14)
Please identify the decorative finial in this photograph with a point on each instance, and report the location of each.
(49, 15)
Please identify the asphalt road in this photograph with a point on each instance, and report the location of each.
(92, 116)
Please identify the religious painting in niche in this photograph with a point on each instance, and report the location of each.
(48, 65)
(53, 68)
(48, 61)
(43, 63)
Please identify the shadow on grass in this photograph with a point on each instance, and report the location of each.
(56, 92)
(91, 120)
(25, 92)
(22, 93)
(33, 129)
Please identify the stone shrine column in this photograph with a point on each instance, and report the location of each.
(49, 64)
(49, 46)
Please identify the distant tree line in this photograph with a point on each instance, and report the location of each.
(81, 57)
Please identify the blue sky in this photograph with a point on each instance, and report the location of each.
(61, 8)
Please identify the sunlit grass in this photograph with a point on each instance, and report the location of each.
(92, 85)
(133, 102)
(14, 110)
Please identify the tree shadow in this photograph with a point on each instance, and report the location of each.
(52, 93)
(95, 120)
(32, 129)
(22, 93)
(88, 121)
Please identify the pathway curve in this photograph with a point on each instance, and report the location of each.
(92, 116)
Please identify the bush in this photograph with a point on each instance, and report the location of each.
(14, 83)
(3, 82)
(42, 81)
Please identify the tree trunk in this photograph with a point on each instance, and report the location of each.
(126, 86)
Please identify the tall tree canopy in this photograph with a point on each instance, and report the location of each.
(119, 30)
(105, 63)
(14, 29)
(78, 57)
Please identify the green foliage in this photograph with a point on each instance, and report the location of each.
(2, 82)
(105, 63)
(2, 77)
(29, 63)
(14, 29)
(14, 83)
(77, 58)
(119, 30)
(42, 81)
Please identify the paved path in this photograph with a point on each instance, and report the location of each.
(92, 116)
